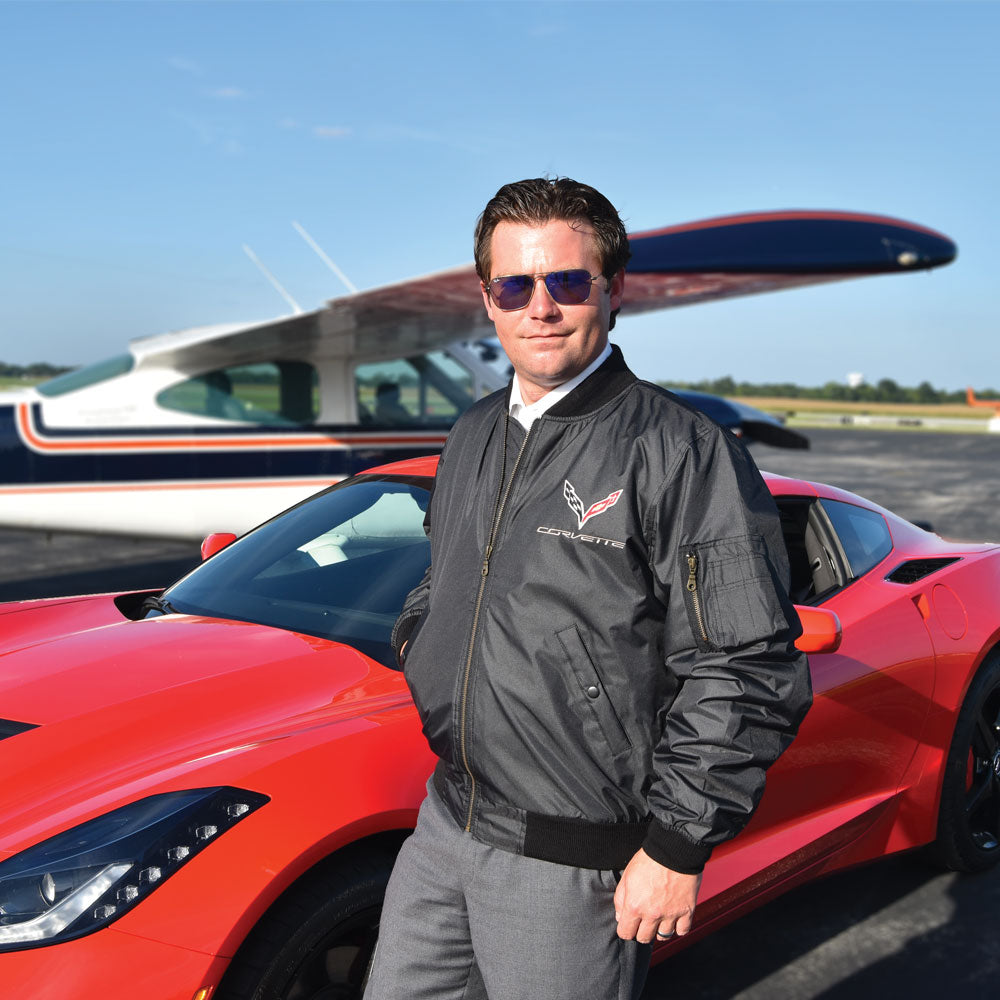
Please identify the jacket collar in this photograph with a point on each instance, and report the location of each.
(609, 381)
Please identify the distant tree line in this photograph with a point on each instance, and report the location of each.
(41, 369)
(883, 391)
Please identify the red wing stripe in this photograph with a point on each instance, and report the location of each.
(745, 218)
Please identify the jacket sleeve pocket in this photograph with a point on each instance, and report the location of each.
(730, 591)
(592, 689)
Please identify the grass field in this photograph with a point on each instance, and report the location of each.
(783, 406)
(8, 382)
(797, 411)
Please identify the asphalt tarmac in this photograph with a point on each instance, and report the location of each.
(38, 564)
(897, 928)
(951, 480)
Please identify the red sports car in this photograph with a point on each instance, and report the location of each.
(204, 789)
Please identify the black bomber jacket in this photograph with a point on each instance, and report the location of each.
(602, 650)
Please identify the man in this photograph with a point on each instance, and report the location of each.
(602, 652)
(388, 408)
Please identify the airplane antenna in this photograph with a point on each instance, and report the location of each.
(323, 257)
(296, 308)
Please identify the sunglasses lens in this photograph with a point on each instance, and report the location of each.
(569, 288)
(512, 291)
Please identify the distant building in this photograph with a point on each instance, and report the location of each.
(855, 380)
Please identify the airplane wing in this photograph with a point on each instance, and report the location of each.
(679, 265)
(765, 252)
(407, 317)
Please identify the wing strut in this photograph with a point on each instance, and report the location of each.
(323, 257)
(296, 308)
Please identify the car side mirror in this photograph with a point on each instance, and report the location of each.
(821, 630)
(216, 542)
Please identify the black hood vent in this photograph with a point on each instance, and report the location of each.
(10, 728)
(916, 569)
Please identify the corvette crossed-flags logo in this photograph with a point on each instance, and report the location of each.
(576, 504)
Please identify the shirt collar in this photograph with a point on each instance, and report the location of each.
(527, 413)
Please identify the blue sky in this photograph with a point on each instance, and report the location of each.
(144, 142)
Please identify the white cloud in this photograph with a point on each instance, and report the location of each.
(405, 133)
(228, 93)
(330, 131)
(221, 138)
(185, 65)
(289, 123)
(206, 133)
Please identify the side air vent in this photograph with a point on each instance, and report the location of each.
(10, 728)
(916, 569)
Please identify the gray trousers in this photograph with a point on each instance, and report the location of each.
(466, 921)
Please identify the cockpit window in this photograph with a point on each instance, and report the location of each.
(490, 352)
(273, 392)
(80, 378)
(426, 390)
(337, 566)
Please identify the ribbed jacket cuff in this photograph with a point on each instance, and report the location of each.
(402, 631)
(674, 851)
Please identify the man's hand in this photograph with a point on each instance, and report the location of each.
(651, 898)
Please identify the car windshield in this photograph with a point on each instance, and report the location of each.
(338, 565)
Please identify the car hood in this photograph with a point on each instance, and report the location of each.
(94, 706)
(71, 669)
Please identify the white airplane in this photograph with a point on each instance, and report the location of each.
(224, 426)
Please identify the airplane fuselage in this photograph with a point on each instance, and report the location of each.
(178, 482)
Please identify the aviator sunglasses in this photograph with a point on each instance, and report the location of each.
(568, 288)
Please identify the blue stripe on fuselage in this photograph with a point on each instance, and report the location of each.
(20, 465)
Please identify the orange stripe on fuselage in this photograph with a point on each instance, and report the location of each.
(275, 442)
(186, 485)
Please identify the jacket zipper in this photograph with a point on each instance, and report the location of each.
(502, 496)
(692, 586)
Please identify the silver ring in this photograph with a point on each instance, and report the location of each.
(663, 937)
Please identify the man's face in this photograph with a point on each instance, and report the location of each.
(548, 343)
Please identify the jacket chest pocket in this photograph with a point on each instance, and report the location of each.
(593, 690)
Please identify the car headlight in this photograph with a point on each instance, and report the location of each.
(90, 875)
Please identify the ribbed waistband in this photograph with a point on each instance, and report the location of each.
(581, 843)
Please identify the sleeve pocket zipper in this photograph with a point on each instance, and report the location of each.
(695, 601)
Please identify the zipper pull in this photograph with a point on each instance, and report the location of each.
(486, 560)
(692, 561)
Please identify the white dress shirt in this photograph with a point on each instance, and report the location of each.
(527, 413)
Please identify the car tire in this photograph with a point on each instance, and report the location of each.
(317, 941)
(969, 821)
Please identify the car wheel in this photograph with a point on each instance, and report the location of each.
(317, 941)
(969, 822)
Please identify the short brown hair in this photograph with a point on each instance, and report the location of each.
(539, 200)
